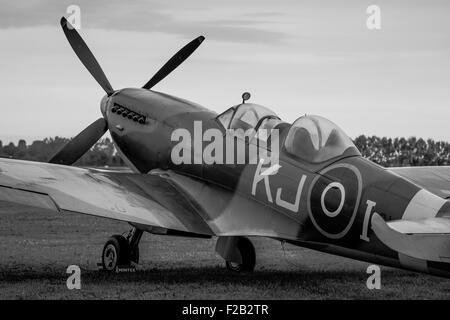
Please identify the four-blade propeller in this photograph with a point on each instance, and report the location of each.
(74, 149)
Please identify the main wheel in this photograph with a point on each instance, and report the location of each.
(247, 251)
(116, 252)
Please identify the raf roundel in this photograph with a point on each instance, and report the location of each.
(333, 200)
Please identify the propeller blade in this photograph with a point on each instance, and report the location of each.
(174, 62)
(85, 55)
(79, 145)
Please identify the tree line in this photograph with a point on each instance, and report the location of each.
(385, 151)
(400, 152)
(103, 153)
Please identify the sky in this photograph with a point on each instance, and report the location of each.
(294, 57)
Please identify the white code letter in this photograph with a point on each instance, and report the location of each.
(260, 176)
(370, 206)
(291, 206)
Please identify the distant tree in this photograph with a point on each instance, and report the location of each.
(38, 151)
(361, 143)
(21, 150)
(9, 150)
(22, 145)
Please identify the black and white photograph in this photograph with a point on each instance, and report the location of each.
(220, 156)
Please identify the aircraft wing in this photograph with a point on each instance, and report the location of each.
(160, 199)
(149, 200)
(426, 239)
(434, 179)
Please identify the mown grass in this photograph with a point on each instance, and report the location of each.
(36, 247)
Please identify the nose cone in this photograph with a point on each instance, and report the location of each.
(103, 105)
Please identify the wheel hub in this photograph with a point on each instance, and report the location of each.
(110, 257)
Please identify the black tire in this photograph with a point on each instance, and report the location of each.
(247, 251)
(116, 252)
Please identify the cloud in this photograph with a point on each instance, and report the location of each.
(145, 16)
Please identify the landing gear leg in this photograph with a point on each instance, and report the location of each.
(121, 251)
(133, 237)
(238, 253)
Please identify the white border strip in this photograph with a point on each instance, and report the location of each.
(423, 205)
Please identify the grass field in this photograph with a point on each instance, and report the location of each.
(37, 246)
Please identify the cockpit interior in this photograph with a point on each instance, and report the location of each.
(315, 139)
(310, 138)
(249, 116)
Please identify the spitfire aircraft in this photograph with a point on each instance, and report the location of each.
(306, 185)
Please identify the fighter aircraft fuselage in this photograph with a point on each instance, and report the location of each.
(330, 203)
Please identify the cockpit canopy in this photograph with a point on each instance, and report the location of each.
(316, 139)
(248, 116)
